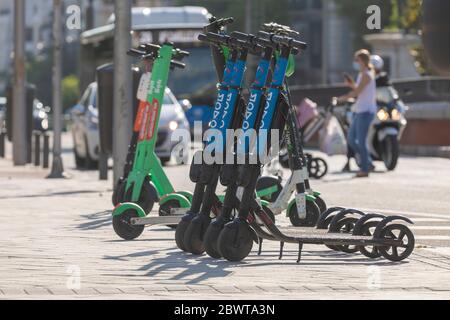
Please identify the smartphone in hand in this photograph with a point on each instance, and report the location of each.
(348, 78)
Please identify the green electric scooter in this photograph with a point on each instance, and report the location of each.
(144, 181)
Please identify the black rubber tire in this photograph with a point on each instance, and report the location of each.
(195, 233)
(79, 161)
(390, 152)
(212, 237)
(147, 197)
(321, 204)
(365, 231)
(236, 241)
(180, 231)
(165, 161)
(89, 164)
(388, 233)
(312, 215)
(346, 226)
(118, 195)
(318, 168)
(124, 229)
(164, 210)
(268, 182)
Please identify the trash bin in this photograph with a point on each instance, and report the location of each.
(105, 82)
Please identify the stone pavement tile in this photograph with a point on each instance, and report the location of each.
(61, 291)
(155, 289)
(108, 290)
(271, 289)
(227, 289)
(132, 290)
(249, 288)
(8, 291)
(86, 291)
(37, 291)
(177, 288)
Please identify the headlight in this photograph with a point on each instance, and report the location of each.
(44, 124)
(383, 115)
(396, 115)
(173, 125)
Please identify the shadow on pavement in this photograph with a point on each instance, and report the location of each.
(53, 194)
(96, 220)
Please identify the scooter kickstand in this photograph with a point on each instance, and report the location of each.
(300, 249)
(260, 246)
(281, 250)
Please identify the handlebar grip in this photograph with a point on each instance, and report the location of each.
(289, 42)
(242, 36)
(136, 53)
(179, 54)
(214, 38)
(177, 64)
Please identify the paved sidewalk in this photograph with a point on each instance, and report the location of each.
(56, 241)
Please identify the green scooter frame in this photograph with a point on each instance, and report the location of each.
(147, 181)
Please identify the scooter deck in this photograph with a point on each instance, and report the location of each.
(316, 236)
(155, 221)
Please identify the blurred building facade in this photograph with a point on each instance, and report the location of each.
(329, 36)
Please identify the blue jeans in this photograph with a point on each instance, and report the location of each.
(357, 138)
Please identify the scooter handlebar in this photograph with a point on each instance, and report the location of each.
(217, 24)
(284, 40)
(177, 64)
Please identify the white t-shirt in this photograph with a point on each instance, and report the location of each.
(367, 99)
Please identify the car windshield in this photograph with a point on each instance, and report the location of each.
(198, 74)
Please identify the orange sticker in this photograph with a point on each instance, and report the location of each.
(153, 114)
(139, 116)
(143, 125)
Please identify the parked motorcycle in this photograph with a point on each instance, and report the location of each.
(387, 128)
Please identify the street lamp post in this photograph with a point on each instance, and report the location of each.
(122, 113)
(57, 165)
(19, 96)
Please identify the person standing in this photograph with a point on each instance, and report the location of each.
(364, 109)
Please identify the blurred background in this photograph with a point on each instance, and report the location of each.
(408, 40)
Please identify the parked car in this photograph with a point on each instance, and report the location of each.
(85, 130)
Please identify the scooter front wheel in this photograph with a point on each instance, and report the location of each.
(312, 215)
(321, 204)
(236, 241)
(123, 227)
(212, 238)
(195, 233)
(181, 231)
(166, 209)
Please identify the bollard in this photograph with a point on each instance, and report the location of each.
(46, 151)
(37, 148)
(103, 166)
(2, 143)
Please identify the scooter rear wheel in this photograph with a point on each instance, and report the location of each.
(123, 228)
(398, 232)
(165, 210)
(119, 192)
(147, 198)
(266, 183)
(345, 225)
(195, 233)
(236, 241)
(369, 251)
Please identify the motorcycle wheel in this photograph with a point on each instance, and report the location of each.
(390, 152)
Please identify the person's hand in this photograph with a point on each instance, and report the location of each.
(349, 80)
(341, 99)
